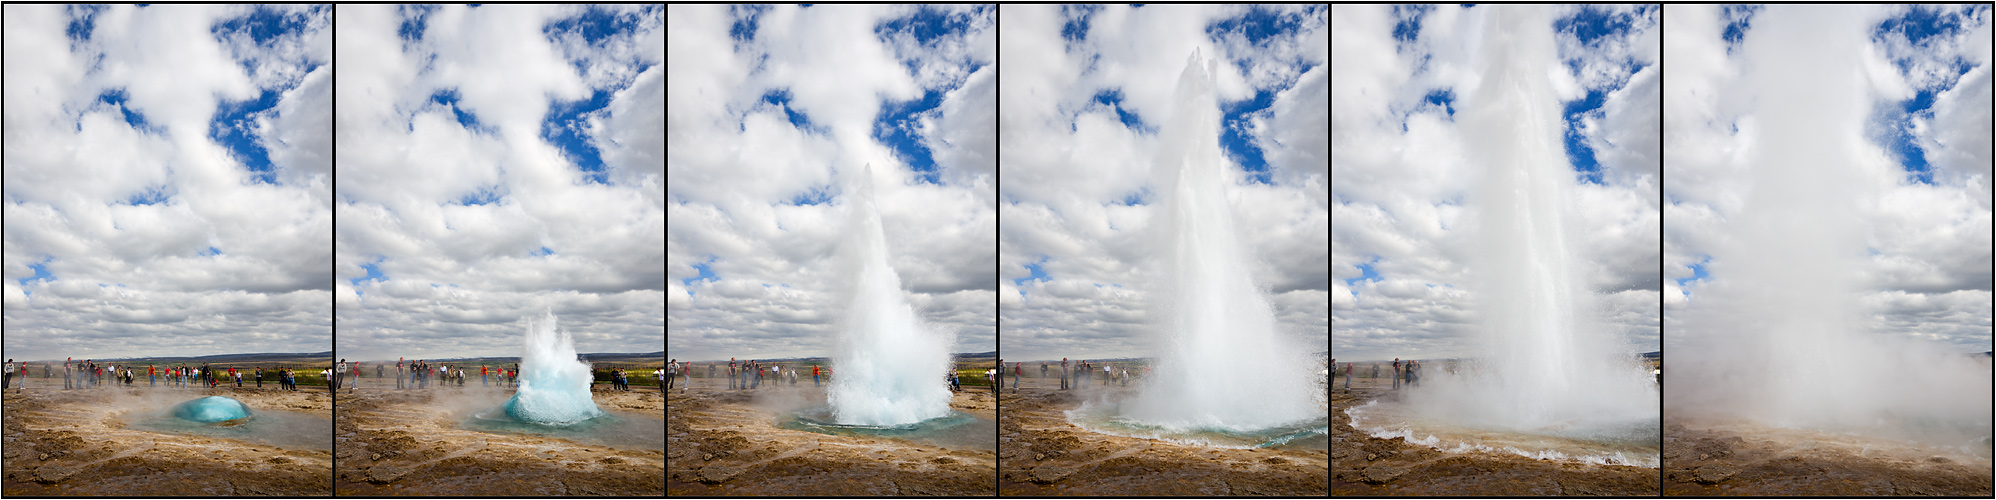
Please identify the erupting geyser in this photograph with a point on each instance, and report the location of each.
(211, 409)
(554, 384)
(1544, 364)
(889, 366)
(1222, 362)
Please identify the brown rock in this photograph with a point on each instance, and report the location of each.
(1382, 473)
(1714, 473)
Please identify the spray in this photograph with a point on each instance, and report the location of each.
(554, 384)
(1222, 364)
(889, 366)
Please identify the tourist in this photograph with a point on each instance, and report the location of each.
(731, 373)
(1063, 373)
(1396, 374)
(1105, 375)
(398, 373)
(1018, 369)
(482, 381)
(1043, 369)
(1375, 371)
(814, 375)
(356, 377)
(9, 380)
(1347, 378)
(238, 376)
(710, 373)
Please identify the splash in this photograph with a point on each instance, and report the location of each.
(889, 366)
(1222, 362)
(1545, 365)
(554, 384)
(211, 409)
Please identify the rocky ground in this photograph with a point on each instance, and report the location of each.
(1363, 465)
(725, 442)
(1715, 458)
(407, 442)
(75, 442)
(1042, 454)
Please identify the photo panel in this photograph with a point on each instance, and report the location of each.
(498, 279)
(1827, 250)
(832, 250)
(1497, 274)
(169, 226)
(1163, 239)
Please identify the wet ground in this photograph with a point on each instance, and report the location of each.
(726, 442)
(416, 442)
(81, 442)
(1731, 458)
(1042, 454)
(1363, 465)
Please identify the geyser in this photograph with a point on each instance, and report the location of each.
(1778, 333)
(1222, 364)
(211, 409)
(1543, 363)
(888, 365)
(554, 384)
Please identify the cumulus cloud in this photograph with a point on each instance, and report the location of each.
(1913, 120)
(1086, 91)
(496, 162)
(1405, 175)
(774, 112)
(168, 187)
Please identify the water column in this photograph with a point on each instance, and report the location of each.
(888, 365)
(554, 384)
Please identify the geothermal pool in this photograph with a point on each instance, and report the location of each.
(1310, 434)
(1631, 442)
(280, 428)
(955, 430)
(615, 429)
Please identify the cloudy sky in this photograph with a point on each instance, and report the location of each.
(1402, 235)
(496, 162)
(168, 180)
(1084, 96)
(1912, 117)
(773, 111)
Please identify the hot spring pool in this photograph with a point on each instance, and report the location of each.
(955, 431)
(615, 429)
(279, 428)
(1630, 443)
(1312, 434)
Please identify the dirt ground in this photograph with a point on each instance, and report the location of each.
(1363, 465)
(725, 442)
(75, 442)
(1711, 458)
(1041, 454)
(407, 442)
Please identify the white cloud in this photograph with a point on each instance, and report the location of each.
(1072, 166)
(156, 238)
(1405, 177)
(757, 199)
(456, 186)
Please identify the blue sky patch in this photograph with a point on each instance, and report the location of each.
(1114, 99)
(1444, 99)
(1366, 273)
(747, 17)
(1408, 27)
(1260, 24)
(1577, 150)
(1739, 18)
(896, 127)
(781, 98)
(706, 274)
(234, 127)
(1075, 29)
(117, 97)
(1234, 138)
(483, 196)
(1697, 273)
(449, 98)
(82, 19)
(1035, 273)
(373, 274)
(265, 24)
(42, 273)
(817, 195)
(415, 19)
(541, 252)
(209, 252)
(566, 128)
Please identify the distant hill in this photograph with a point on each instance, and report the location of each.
(264, 358)
(622, 358)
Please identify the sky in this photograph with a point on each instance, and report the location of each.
(1402, 237)
(1918, 134)
(773, 111)
(495, 163)
(167, 180)
(1081, 106)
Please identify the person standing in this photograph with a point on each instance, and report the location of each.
(1396, 374)
(399, 384)
(731, 373)
(1043, 369)
(238, 376)
(1063, 373)
(1347, 378)
(1018, 370)
(814, 376)
(482, 377)
(356, 376)
(10, 374)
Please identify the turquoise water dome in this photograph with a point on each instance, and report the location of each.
(211, 409)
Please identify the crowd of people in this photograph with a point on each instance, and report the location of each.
(1407, 372)
(743, 374)
(89, 374)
